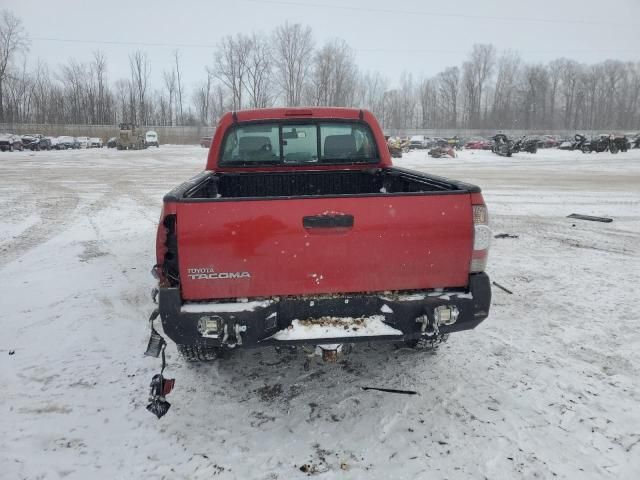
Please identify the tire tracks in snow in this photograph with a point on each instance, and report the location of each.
(55, 210)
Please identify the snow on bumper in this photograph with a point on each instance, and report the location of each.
(336, 327)
(338, 318)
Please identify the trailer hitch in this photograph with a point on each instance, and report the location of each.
(428, 327)
(235, 337)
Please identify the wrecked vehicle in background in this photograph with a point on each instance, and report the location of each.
(10, 142)
(442, 151)
(301, 231)
(505, 147)
(395, 147)
(36, 142)
(478, 144)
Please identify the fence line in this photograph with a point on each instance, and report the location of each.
(192, 135)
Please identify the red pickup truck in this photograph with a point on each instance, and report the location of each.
(301, 230)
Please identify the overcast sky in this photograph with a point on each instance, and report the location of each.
(389, 36)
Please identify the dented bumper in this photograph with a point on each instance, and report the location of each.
(344, 318)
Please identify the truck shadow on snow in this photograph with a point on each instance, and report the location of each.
(261, 380)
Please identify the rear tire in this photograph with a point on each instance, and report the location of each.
(424, 343)
(200, 353)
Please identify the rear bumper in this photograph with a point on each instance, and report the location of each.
(268, 322)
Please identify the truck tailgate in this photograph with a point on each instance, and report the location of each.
(256, 248)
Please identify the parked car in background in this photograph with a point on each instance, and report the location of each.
(151, 139)
(54, 142)
(418, 142)
(60, 145)
(112, 142)
(95, 142)
(478, 144)
(10, 142)
(65, 142)
(83, 142)
(35, 142)
(205, 142)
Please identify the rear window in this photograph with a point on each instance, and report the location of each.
(298, 144)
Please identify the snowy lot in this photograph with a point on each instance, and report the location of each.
(547, 387)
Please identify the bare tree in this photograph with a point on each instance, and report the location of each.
(202, 98)
(570, 71)
(449, 86)
(555, 70)
(99, 68)
(176, 57)
(169, 79)
(370, 93)
(334, 76)
(259, 69)
(140, 71)
(535, 85)
(429, 103)
(505, 92)
(293, 47)
(13, 40)
(230, 65)
(123, 87)
(477, 71)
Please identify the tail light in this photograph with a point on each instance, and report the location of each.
(481, 239)
(167, 250)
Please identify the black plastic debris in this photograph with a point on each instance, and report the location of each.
(156, 342)
(391, 390)
(502, 288)
(160, 387)
(590, 218)
(12, 352)
(505, 235)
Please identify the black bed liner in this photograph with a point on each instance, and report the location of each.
(209, 186)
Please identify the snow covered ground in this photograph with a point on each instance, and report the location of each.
(547, 387)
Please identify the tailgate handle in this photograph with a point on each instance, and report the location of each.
(328, 221)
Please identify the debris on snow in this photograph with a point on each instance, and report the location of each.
(502, 288)
(590, 218)
(391, 390)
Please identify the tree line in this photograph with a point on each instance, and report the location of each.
(489, 90)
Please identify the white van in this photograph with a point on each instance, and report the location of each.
(151, 139)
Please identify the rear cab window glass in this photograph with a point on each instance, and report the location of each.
(346, 142)
(300, 143)
(289, 143)
(252, 144)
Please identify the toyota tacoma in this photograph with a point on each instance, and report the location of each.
(301, 231)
